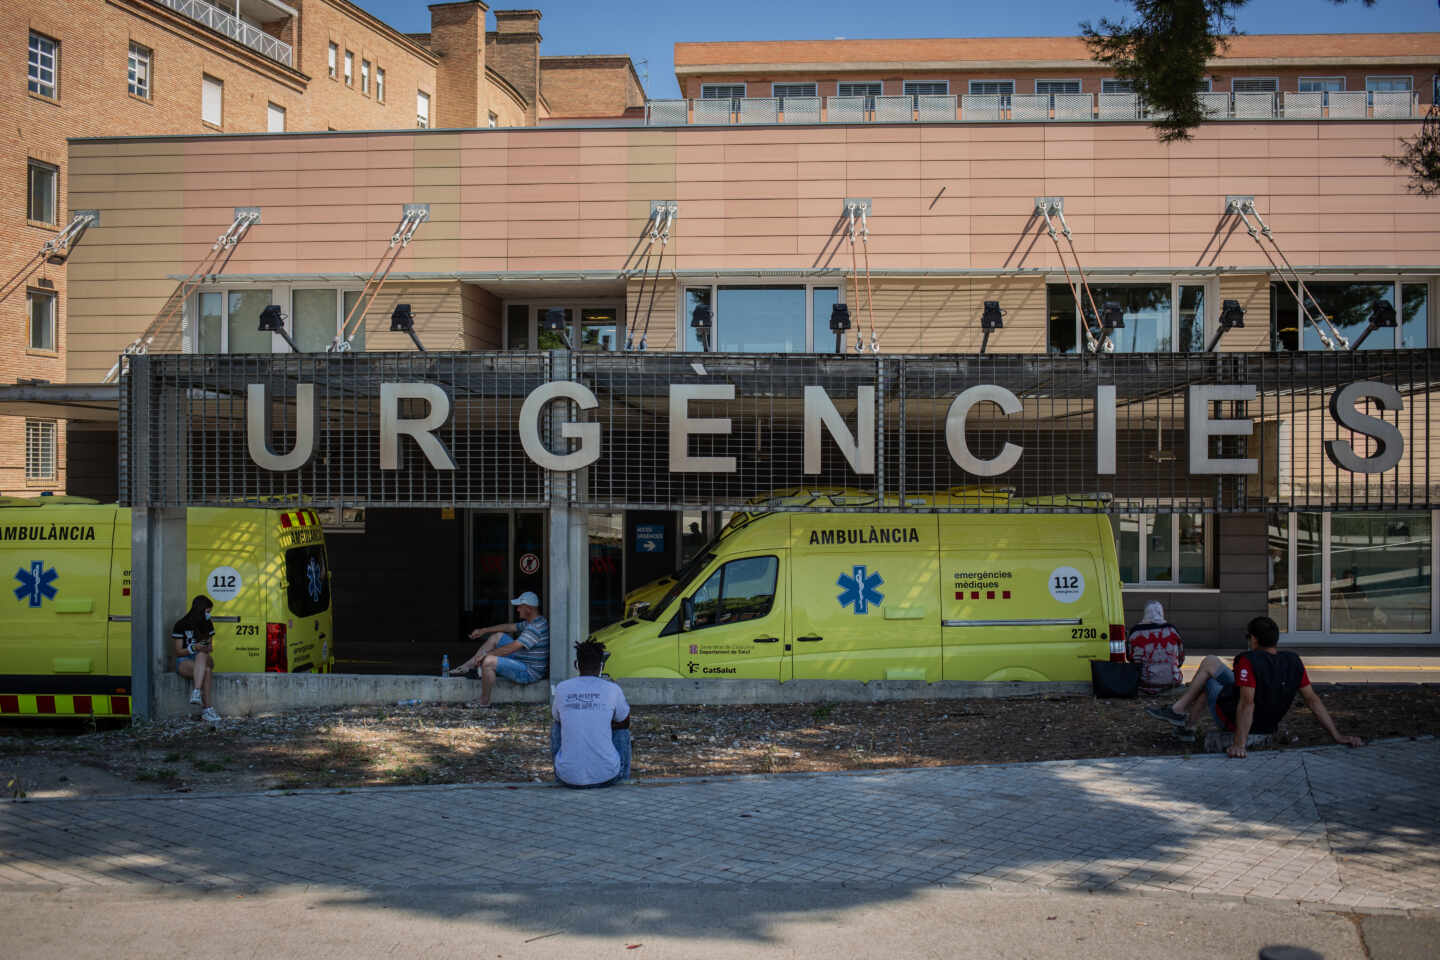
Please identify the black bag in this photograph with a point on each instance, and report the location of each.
(1112, 679)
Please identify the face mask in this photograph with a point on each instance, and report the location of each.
(207, 614)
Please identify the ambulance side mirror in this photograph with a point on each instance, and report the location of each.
(687, 614)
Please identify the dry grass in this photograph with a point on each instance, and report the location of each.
(458, 744)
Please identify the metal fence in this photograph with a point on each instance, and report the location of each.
(183, 426)
(1028, 108)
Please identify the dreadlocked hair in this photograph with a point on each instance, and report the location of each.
(590, 654)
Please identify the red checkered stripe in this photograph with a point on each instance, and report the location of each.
(989, 594)
(63, 705)
(299, 518)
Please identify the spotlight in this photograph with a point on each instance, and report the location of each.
(839, 323)
(992, 318)
(273, 321)
(403, 320)
(1382, 314)
(700, 321)
(1232, 315)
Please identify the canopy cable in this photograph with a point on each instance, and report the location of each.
(1297, 290)
(1109, 345)
(210, 267)
(666, 219)
(855, 276)
(399, 240)
(57, 246)
(650, 229)
(869, 294)
(1090, 340)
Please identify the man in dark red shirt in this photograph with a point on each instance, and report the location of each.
(1254, 697)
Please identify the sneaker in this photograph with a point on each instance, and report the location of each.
(195, 697)
(209, 714)
(1168, 715)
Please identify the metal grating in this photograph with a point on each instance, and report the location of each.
(800, 110)
(935, 108)
(183, 429)
(759, 110)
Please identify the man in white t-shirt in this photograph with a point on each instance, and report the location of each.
(590, 739)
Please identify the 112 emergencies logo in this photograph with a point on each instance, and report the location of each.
(36, 584)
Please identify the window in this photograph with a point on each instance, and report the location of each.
(1254, 85)
(1146, 311)
(927, 88)
(721, 91)
(1348, 305)
(365, 77)
(1003, 88)
(1379, 572)
(42, 190)
(1321, 84)
(740, 590)
(869, 90)
(332, 60)
(380, 84)
(494, 120)
(768, 318)
(588, 326)
(599, 329)
(1191, 320)
(274, 118)
(1164, 548)
(139, 76)
(307, 576)
(1385, 84)
(783, 90)
(44, 66)
(1057, 86)
(1117, 86)
(349, 69)
(212, 100)
(822, 299)
(228, 321)
(422, 109)
(40, 306)
(39, 449)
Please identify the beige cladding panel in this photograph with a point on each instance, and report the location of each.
(658, 323)
(1252, 292)
(956, 197)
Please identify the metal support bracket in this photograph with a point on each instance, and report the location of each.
(667, 208)
(417, 211)
(1047, 206)
(1236, 203)
(94, 216)
(252, 213)
(861, 205)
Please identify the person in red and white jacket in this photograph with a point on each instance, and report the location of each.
(1156, 646)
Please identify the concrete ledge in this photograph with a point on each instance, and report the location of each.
(253, 694)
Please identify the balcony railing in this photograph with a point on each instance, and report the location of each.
(233, 27)
(1027, 108)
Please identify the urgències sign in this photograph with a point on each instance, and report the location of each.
(857, 442)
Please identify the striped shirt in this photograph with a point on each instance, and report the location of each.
(534, 649)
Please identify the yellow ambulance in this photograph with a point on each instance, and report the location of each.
(886, 596)
(65, 624)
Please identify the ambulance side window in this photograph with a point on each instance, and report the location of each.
(740, 590)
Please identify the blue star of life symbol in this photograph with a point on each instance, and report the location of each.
(36, 583)
(315, 575)
(860, 591)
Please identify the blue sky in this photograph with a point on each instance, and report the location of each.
(647, 30)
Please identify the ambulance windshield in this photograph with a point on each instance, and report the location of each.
(697, 563)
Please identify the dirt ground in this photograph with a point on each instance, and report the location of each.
(373, 746)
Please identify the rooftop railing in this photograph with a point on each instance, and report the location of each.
(1027, 108)
(233, 27)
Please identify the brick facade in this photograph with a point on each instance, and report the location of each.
(590, 86)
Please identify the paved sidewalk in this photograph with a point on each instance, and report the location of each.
(1330, 826)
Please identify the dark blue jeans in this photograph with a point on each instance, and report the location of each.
(621, 740)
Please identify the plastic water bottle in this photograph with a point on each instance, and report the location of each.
(445, 665)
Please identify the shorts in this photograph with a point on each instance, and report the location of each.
(515, 671)
(1214, 687)
(182, 658)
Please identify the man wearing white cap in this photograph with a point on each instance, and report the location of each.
(519, 651)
